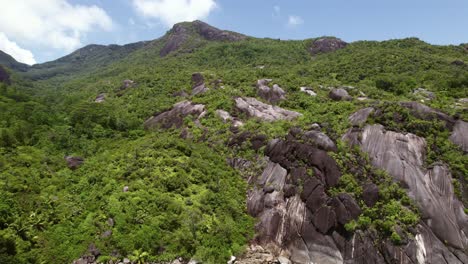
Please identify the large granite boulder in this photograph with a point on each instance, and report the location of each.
(254, 108)
(360, 117)
(403, 156)
(175, 116)
(198, 84)
(74, 162)
(339, 94)
(325, 45)
(273, 95)
(460, 135)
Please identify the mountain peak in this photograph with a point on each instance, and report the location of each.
(181, 32)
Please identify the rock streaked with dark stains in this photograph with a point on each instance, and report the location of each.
(296, 216)
(370, 194)
(360, 117)
(324, 219)
(273, 95)
(325, 45)
(431, 188)
(74, 162)
(339, 94)
(459, 135)
(292, 153)
(175, 116)
(256, 109)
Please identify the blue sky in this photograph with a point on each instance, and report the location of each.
(38, 31)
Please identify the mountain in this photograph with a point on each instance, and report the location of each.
(10, 62)
(206, 145)
(86, 59)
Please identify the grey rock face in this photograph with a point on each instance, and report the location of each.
(460, 135)
(198, 84)
(293, 210)
(360, 117)
(339, 94)
(402, 156)
(272, 95)
(175, 116)
(325, 45)
(254, 108)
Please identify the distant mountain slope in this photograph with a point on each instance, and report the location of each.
(8, 61)
(83, 60)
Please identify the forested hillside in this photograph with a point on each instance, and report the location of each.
(100, 161)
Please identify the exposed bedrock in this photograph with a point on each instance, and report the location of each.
(402, 156)
(297, 219)
(274, 95)
(460, 135)
(175, 116)
(254, 108)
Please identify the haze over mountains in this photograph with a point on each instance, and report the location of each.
(209, 146)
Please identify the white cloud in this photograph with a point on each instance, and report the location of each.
(20, 54)
(51, 23)
(174, 11)
(295, 20)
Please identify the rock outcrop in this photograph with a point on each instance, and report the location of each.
(254, 108)
(180, 33)
(339, 94)
(175, 116)
(273, 95)
(360, 117)
(226, 117)
(295, 215)
(74, 162)
(198, 84)
(460, 135)
(403, 156)
(325, 45)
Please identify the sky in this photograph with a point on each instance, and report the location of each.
(36, 31)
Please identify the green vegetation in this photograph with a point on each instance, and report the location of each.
(183, 199)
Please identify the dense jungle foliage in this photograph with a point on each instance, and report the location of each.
(183, 199)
